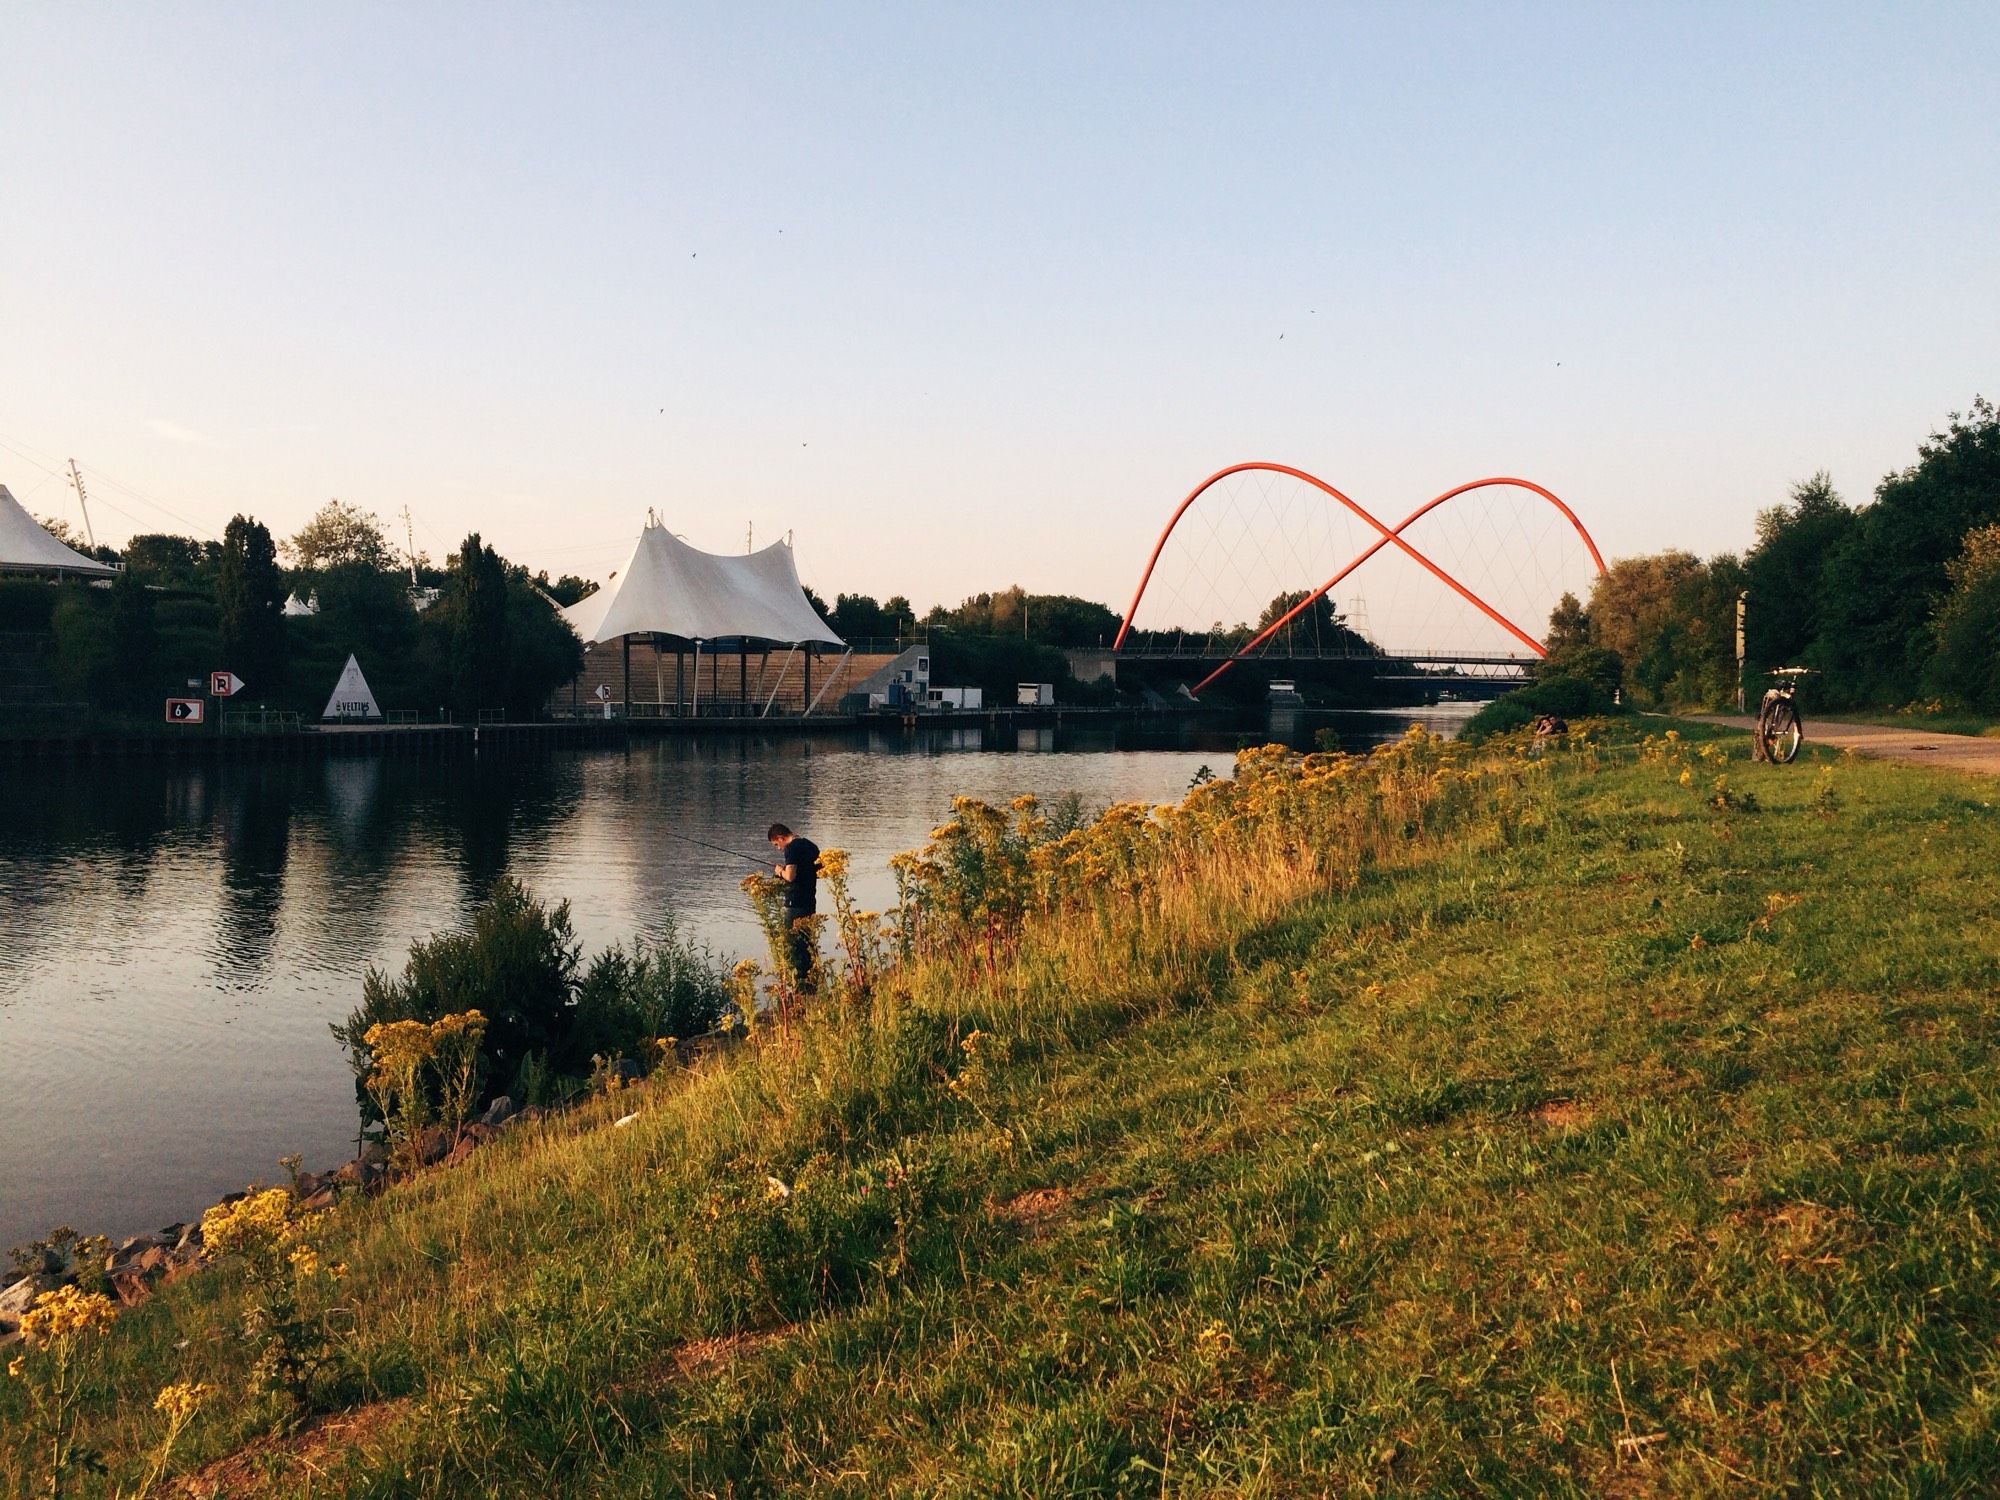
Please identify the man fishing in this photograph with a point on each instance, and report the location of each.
(798, 867)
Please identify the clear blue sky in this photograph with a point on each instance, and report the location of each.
(969, 296)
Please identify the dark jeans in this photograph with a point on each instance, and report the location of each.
(800, 944)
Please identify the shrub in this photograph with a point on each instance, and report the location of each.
(26, 603)
(517, 967)
(670, 986)
(1569, 697)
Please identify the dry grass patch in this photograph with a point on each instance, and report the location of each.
(1565, 1114)
(324, 1444)
(1035, 1207)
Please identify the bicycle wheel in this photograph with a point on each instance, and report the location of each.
(1783, 733)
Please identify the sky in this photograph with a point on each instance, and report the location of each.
(969, 296)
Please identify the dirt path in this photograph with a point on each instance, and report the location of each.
(1917, 747)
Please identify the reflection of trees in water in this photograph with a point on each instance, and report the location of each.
(491, 801)
(254, 830)
(67, 826)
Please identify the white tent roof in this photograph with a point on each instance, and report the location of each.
(23, 544)
(670, 588)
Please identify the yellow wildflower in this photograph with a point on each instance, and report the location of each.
(66, 1313)
(181, 1400)
(253, 1221)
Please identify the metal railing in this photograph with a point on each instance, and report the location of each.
(260, 721)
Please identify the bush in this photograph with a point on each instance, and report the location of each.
(1569, 697)
(519, 968)
(668, 987)
(26, 604)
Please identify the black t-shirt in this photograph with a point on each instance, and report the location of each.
(802, 890)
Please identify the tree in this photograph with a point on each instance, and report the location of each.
(135, 637)
(566, 590)
(75, 540)
(1047, 619)
(1882, 581)
(341, 535)
(1787, 570)
(250, 601)
(168, 561)
(369, 614)
(1569, 625)
(544, 652)
(857, 617)
(1317, 628)
(1572, 655)
(476, 604)
(1967, 625)
(1670, 620)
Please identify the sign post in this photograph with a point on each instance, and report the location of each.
(222, 684)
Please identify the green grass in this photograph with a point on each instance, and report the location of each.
(1593, 1113)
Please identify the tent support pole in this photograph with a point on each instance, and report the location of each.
(659, 676)
(786, 667)
(697, 679)
(805, 696)
(831, 678)
(742, 675)
(625, 650)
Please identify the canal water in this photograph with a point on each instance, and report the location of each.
(175, 940)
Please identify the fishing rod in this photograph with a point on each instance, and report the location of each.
(718, 848)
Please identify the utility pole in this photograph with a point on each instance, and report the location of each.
(83, 500)
(1742, 606)
(410, 544)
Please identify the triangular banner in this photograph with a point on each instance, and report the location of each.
(352, 697)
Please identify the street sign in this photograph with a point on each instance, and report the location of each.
(225, 684)
(185, 710)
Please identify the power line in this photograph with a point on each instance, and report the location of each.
(116, 483)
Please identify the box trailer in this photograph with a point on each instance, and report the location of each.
(1034, 694)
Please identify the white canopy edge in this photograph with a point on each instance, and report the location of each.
(24, 545)
(670, 588)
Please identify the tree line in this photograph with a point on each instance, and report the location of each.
(1893, 601)
(480, 632)
(476, 633)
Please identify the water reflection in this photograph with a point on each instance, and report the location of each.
(174, 939)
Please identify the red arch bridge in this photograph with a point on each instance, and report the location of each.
(1460, 589)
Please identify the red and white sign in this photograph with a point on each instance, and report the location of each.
(185, 710)
(225, 684)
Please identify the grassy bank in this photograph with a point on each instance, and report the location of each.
(1432, 1123)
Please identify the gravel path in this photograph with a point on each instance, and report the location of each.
(1918, 747)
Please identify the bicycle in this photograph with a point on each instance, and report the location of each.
(1780, 728)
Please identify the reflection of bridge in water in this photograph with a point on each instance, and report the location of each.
(1291, 504)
